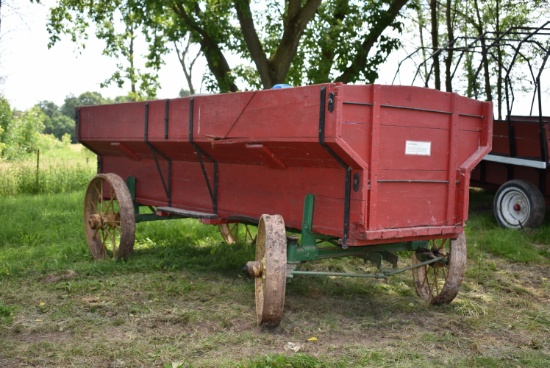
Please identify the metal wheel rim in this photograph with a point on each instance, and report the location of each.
(439, 284)
(109, 217)
(271, 255)
(509, 200)
(233, 233)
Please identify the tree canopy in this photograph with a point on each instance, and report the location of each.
(464, 46)
(6, 116)
(246, 44)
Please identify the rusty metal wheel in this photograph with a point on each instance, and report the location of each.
(439, 283)
(109, 217)
(269, 270)
(237, 232)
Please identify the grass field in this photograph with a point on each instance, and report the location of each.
(60, 169)
(182, 301)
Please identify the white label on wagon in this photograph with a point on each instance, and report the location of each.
(418, 148)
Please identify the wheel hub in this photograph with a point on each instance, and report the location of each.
(254, 269)
(102, 220)
(95, 221)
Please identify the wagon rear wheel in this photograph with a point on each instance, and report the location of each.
(439, 283)
(237, 232)
(269, 270)
(109, 217)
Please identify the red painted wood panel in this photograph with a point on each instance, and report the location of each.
(406, 146)
(112, 122)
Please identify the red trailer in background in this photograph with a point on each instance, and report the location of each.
(370, 170)
(517, 168)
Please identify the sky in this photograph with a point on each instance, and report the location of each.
(32, 73)
(35, 73)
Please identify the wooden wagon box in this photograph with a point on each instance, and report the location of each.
(383, 162)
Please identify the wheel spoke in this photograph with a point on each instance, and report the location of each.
(436, 281)
(111, 201)
(248, 235)
(95, 234)
(113, 239)
(93, 204)
(98, 191)
(103, 249)
(234, 232)
(101, 200)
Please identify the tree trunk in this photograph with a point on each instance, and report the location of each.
(274, 69)
(449, 58)
(359, 63)
(132, 70)
(484, 52)
(499, 56)
(435, 43)
(187, 69)
(327, 49)
(210, 47)
(421, 25)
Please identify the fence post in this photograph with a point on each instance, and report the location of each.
(37, 171)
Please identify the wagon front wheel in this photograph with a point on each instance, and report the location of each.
(269, 270)
(438, 283)
(109, 217)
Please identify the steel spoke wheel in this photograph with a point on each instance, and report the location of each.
(269, 270)
(519, 204)
(439, 282)
(237, 232)
(109, 217)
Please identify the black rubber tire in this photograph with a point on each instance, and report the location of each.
(519, 204)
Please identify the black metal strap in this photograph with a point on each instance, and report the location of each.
(212, 188)
(341, 162)
(166, 183)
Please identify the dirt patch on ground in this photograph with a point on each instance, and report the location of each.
(206, 320)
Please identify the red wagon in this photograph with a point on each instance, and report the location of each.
(370, 170)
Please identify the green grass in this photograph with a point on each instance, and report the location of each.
(484, 235)
(182, 301)
(61, 170)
